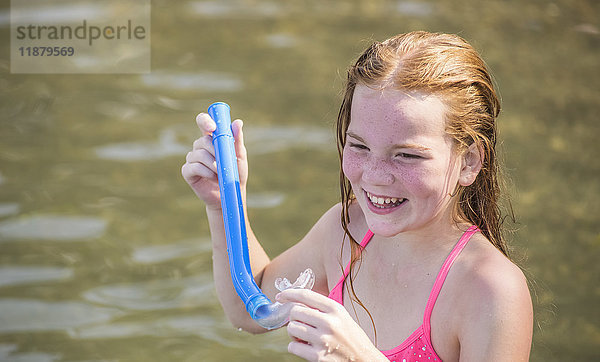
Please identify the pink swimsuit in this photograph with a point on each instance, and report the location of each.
(417, 347)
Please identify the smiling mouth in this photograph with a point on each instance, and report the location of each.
(384, 202)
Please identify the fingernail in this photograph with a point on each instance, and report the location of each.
(278, 296)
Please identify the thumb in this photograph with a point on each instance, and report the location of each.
(238, 136)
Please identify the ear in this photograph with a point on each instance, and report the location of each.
(472, 160)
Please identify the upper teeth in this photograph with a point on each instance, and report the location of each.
(380, 200)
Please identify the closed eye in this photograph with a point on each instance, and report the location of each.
(357, 146)
(409, 155)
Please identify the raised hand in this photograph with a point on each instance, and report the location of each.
(200, 168)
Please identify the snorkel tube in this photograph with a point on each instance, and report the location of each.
(268, 315)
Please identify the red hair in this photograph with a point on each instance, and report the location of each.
(449, 67)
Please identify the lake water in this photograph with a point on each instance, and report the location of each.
(105, 252)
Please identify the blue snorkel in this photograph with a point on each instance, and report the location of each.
(268, 315)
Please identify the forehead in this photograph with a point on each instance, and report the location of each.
(391, 113)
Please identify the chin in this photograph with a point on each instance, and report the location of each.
(385, 229)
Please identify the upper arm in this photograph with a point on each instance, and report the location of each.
(307, 253)
(499, 321)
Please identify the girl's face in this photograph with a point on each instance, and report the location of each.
(399, 160)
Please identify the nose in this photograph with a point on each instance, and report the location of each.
(377, 172)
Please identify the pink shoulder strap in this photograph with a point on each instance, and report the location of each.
(441, 277)
(363, 244)
(337, 292)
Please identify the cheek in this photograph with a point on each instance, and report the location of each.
(415, 179)
(422, 181)
(351, 165)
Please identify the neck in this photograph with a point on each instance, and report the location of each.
(438, 235)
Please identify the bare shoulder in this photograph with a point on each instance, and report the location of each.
(334, 243)
(338, 241)
(496, 316)
(329, 234)
(491, 274)
(327, 231)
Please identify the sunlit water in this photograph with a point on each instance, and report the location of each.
(105, 251)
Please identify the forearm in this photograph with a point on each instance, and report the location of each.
(232, 305)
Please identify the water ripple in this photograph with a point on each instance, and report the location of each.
(161, 253)
(269, 139)
(204, 81)
(156, 294)
(9, 208)
(57, 14)
(117, 110)
(204, 326)
(414, 8)
(29, 315)
(166, 146)
(7, 355)
(265, 200)
(282, 40)
(201, 325)
(52, 227)
(15, 275)
(237, 9)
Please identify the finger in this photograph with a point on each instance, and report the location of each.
(302, 350)
(300, 331)
(308, 316)
(206, 123)
(309, 298)
(238, 135)
(204, 157)
(191, 171)
(204, 142)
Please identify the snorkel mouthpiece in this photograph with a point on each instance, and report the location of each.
(258, 306)
(268, 315)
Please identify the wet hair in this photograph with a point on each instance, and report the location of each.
(446, 66)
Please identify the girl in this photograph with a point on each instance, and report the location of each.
(411, 265)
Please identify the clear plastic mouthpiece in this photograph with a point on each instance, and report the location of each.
(277, 314)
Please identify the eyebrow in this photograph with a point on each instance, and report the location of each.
(405, 145)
